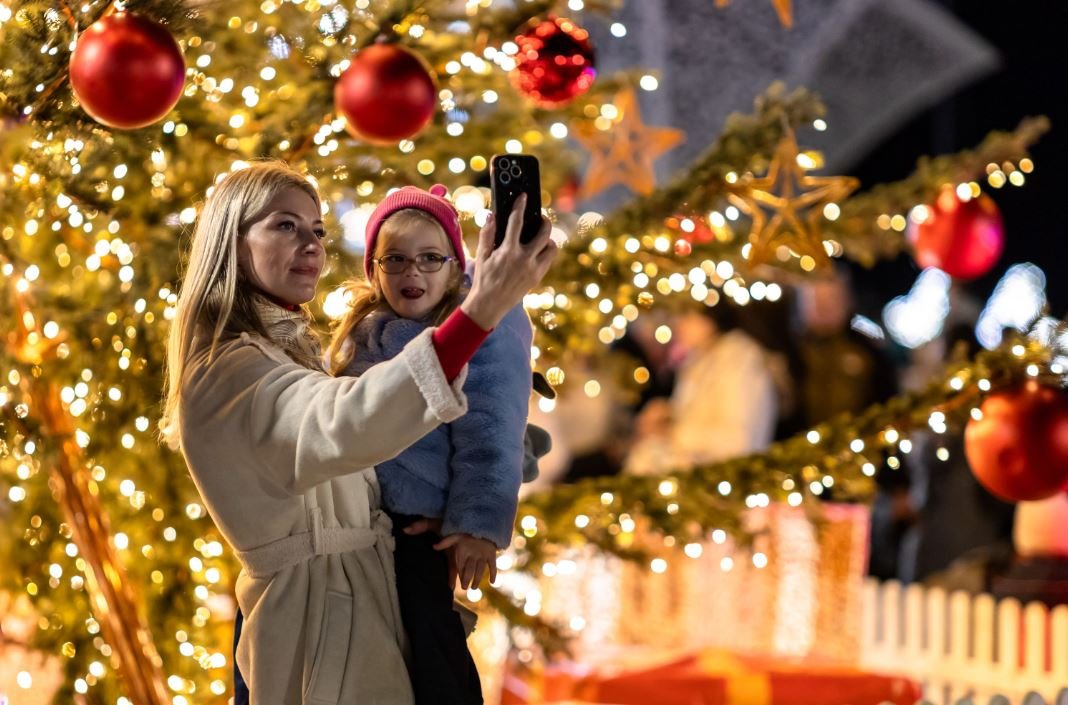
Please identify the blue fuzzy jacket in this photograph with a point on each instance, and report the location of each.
(467, 472)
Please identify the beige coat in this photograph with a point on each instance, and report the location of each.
(283, 458)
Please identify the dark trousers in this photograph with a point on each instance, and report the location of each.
(241, 694)
(442, 670)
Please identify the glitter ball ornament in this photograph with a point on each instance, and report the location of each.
(386, 94)
(127, 71)
(555, 63)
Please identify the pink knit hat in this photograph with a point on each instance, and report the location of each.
(432, 202)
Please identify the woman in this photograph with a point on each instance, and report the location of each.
(281, 452)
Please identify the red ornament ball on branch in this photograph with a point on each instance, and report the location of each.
(127, 71)
(962, 238)
(1018, 449)
(555, 63)
(387, 94)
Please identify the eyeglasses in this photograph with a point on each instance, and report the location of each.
(427, 262)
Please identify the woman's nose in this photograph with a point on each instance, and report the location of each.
(310, 242)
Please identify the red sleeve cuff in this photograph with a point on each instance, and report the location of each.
(456, 341)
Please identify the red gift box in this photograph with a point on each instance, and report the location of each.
(711, 677)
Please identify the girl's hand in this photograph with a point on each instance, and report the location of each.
(471, 559)
(503, 276)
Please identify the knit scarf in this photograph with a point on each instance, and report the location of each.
(291, 331)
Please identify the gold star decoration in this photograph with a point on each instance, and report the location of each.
(787, 206)
(783, 8)
(622, 150)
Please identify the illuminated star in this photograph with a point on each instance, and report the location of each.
(624, 152)
(783, 9)
(787, 206)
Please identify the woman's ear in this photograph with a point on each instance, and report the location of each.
(242, 256)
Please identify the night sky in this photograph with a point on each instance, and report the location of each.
(1032, 37)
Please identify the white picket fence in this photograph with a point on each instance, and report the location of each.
(962, 646)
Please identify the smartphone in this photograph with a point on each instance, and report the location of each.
(510, 176)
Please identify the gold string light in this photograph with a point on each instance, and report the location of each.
(91, 224)
(689, 505)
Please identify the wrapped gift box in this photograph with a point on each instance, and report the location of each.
(709, 677)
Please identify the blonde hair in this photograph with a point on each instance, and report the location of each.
(367, 296)
(214, 295)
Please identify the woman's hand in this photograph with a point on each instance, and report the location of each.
(471, 559)
(503, 276)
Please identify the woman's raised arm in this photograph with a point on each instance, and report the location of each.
(304, 426)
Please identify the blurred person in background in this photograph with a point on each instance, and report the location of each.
(724, 403)
(844, 371)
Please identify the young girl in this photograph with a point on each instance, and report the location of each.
(466, 473)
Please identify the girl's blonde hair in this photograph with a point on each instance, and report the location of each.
(216, 300)
(367, 296)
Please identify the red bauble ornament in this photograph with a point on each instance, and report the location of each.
(555, 63)
(1019, 448)
(567, 194)
(387, 94)
(127, 71)
(962, 238)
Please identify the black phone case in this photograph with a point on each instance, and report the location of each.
(510, 176)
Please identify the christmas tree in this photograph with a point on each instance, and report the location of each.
(101, 174)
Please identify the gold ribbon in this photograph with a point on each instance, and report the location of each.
(744, 685)
(113, 600)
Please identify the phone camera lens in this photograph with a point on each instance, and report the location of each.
(504, 177)
(516, 171)
(503, 163)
